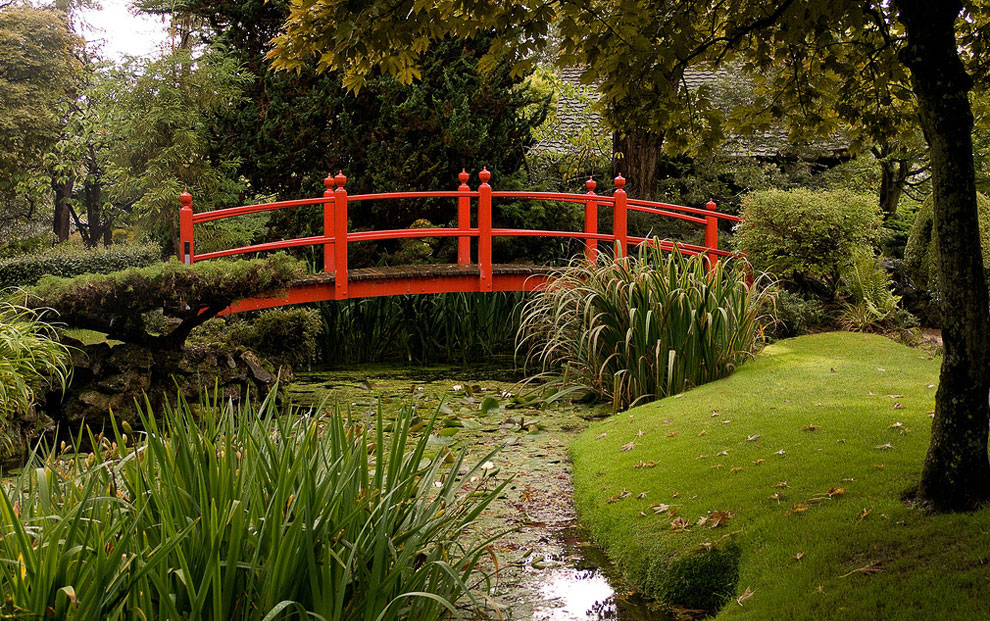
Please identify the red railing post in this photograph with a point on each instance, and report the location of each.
(619, 228)
(591, 222)
(328, 224)
(711, 234)
(485, 230)
(340, 236)
(463, 220)
(186, 249)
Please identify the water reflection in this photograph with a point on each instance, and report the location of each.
(576, 595)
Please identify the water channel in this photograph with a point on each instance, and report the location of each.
(547, 570)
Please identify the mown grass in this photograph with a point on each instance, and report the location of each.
(832, 403)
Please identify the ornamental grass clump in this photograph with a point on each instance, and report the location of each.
(235, 513)
(645, 327)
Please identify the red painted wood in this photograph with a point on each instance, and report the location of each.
(464, 219)
(219, 214)
(485, 230)
(186, 251)
(711, 235)
(690, 210)
(668, 214)
(619, 226)
(340, 235)
(591, 222)
(393, 195)
(329, 260)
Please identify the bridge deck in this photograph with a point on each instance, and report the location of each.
(405, 279)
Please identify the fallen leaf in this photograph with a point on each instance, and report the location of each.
(881, 370)
(722, 454)
(726, 422)
(885, 447)
(702, 520)
(931, 386)
(896, 425)
(799, 507)
(645, 464)
(870, 393)
(753, 437)
(835, 491)
(628, 446)
(660, 508)
(641, 495)
(719, 518)
(776, 496)
(702, 456)
(878, 466)
(679, 525)
(640, 433)
(620, 496)
(931, 413)
(745, 596)
(667, 421)
(675, 495)
(641, 514)
(898, 406)
(810, 427)
(865, 512)
(601, 435)
(869, 570)
(781, 485)
(781, 452)
(735, 468)
(895, 396)
(848, 479)
(799, 556)
(758, 461)
(671, 434)
(702, 432)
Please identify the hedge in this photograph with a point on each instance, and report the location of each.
(67, 261)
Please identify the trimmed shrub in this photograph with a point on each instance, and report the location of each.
(645, 327)
(67, 261)
(805, 237)
(794, 315)
(921, 253)
(282, 335)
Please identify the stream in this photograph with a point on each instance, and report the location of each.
(547, 570)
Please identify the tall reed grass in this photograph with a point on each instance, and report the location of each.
(644, 327)
(239, 513)
(446, 327)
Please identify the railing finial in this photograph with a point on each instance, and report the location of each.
(185, 199)
(484, 175)
(590, 184)
(620, 182)
(463, 176)
(340, 179)
(328, 182)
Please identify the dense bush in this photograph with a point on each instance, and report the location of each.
(117, 304)
(805, 237)
(243, 514)
(645, 327)
(794, 315)
(921, 254)
(281, 335)
(31, 358)
(67, 260)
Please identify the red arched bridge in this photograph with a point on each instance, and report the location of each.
(338, 282)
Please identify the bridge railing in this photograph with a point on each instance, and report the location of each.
(336, 236)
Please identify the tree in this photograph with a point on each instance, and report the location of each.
(38, 67)
(639, 48)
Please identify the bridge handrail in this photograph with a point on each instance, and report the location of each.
(336, 237)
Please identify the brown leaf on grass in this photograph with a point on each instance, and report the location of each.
(898, 406)
(722, 454)
(641, 495)
(878, 466)
(835, 491)
(702, 520)
(904, 431)
(641, 514)
(869, 570)
(745, 596)
(810, 427)
(799, 508)
(601, 435)
(848, 479)
(620, 496)
(753, 437)
(895, 396)
(735, 469)
(719, 518)
(702, 432)
(799, 556)
(726, 422)
(865, 512)
(781, 485)
(679, 525)
(640, 433)
(667, 421)
(885, 447)
(675, 495)
(896, 425)
(758, 461)
(703, 456)
(781, 452)
(645, 464)
(931, 413)
(659, 508)
(628, 447)
(671, 434)
(776, 496)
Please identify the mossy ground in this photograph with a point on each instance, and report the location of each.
(807, 452)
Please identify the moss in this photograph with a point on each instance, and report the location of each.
(921, 252)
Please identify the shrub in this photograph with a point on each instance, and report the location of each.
(67, 260)
(282, 335)
(794, 315)
(872, 302)
(645, 327)
(804, 237)
(31, 357)
(243, 514)
(921, 253)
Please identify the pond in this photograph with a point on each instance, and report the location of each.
(547, 570)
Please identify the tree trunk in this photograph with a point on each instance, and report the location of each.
(60, 224)
(956, 473)
(636, 158)
(893, 176)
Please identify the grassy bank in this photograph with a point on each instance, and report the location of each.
(796, 466)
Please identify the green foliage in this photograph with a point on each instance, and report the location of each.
(67, 260)
(453, 327)
(28, 245)
(921, 251)
(31, 358)
(872, 302)
(703, 579)
(281, 335)
(224, 513)
(116, 303)
(646, 327)
(794, 315)
(804, 237)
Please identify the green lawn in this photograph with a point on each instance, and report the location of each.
(839, 413)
